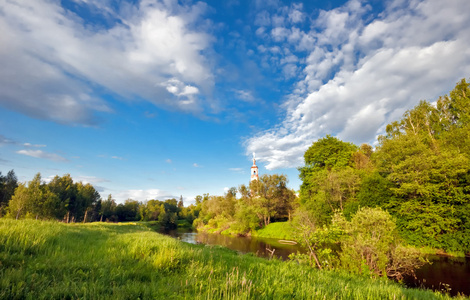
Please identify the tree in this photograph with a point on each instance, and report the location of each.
(43, 203)
(108, 209)
(67, 192)
(330, 180)
(168, 215)
(129, 211)
(8, 184)
(86, 199)
(36, 200)
(270, 197)
(329, 152)
(318, 240)
(19, 202)
(181, 203)
(425, 158)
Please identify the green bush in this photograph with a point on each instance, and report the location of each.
(370, 245)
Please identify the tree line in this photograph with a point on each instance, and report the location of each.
(65, 200)
(261, 202)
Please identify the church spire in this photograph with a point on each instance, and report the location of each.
(254, 169)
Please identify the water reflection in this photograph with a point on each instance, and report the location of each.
(447, 274)
(262, 247)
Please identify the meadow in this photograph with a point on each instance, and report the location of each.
(52, 260)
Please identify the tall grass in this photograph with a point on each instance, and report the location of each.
(128, 261)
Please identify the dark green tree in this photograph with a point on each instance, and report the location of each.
(8, 184)
(330, 177)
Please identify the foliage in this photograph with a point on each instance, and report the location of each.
(263, 201)
(36, 199)
(426, 158)
(370, 245)
(271, 198)
(8, 184)
(167, 212)
(329, 152)
(331, 177)
(318, 240)
(127, 261)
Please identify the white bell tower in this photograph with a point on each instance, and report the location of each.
(254, 170)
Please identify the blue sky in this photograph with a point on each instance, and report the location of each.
(154, 99)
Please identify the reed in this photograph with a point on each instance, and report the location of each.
(129, 261)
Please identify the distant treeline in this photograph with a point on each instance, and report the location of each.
(68, 201)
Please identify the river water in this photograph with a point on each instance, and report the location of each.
(263, 247)
(446, 274)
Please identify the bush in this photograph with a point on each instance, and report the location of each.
(370, 245)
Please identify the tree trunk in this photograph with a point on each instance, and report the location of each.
(84, 218)
(316, 259)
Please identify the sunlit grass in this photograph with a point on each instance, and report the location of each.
(129, 261)
(278, 230)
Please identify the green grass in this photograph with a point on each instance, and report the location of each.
(50, 260)
(278, 230)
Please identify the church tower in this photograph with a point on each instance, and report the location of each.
(254, 170)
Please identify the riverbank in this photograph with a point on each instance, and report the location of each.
(129, 261)
(286, 231)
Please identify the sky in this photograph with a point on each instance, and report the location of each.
(150, 99)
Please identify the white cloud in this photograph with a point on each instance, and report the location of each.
(42, 154)
(263, 19)
(245, 95)
(169, 161)
(279, 33)
(295, 14)
(89, 179)
(237, 170)
(197, 165)
(33, 145)
(361, 75)
(50, 55)
(142, 195)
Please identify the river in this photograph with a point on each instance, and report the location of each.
(263, 247)
(447, 274)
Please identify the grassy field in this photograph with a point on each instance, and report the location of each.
(278, 230)
(129, 261)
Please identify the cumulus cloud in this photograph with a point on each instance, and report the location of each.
(143, 195)
(54, 63)
(360, 74)
(42, 154)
